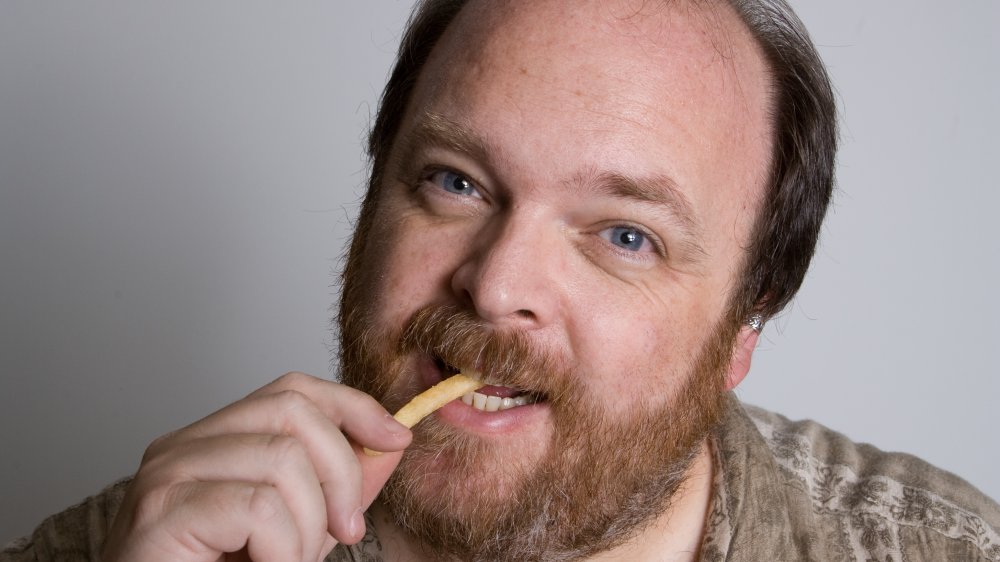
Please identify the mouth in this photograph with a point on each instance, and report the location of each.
(492, 397)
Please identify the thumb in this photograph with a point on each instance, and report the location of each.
(375, 471)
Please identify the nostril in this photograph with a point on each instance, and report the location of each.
(467, 299)
(499, 293)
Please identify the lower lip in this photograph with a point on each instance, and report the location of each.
(460, 414)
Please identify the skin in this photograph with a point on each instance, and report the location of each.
(512, 221)
(561, 98)
(277, 476)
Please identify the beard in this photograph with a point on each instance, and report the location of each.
(600, 478)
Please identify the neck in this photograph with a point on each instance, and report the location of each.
(673, 536)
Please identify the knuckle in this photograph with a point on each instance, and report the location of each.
(152, 503)
(292, 399)
(286, 451)
(264, 505)
(292, 409)
(155, 470)
(156, 447)
(293, 379)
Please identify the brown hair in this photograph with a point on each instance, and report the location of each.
(800, 183)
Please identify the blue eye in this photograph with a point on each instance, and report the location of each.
(453, 183)
(631, 239)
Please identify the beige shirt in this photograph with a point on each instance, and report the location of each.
(783, 490)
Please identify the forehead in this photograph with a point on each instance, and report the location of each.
(648, 88)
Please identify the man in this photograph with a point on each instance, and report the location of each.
(592, 205)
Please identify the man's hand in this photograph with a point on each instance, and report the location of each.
(277, 476)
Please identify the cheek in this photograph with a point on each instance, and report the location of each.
(413, 268)
(633, 350)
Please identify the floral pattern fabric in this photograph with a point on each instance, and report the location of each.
(789, 490)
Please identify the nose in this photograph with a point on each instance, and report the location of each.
(510, 275)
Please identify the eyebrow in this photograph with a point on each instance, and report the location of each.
(657, 189)
(436, 130)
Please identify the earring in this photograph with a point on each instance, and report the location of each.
(756, 322)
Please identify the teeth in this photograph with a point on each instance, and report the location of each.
(478, 401)
(495, 403)
(492, 403)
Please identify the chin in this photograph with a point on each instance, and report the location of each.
(444, 462)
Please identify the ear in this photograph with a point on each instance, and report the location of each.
(739, 364)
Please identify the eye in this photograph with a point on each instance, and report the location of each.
(628, 238)
(453, 183)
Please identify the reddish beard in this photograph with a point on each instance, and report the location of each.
(599, 479)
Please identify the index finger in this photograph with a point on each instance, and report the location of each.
(357, 414)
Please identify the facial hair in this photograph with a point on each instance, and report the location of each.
(601, 479)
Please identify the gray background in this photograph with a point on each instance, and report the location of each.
(177, 180)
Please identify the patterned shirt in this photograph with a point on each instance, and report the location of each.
(782, 490)
(789, 490)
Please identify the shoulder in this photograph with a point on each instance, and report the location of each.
(881, 503)
(76, 533)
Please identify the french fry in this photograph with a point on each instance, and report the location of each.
(425, 403)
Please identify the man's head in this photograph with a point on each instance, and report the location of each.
(583, 200)
(800, 175)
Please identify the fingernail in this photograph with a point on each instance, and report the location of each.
(394, 426)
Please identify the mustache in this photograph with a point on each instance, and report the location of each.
(504, 357)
